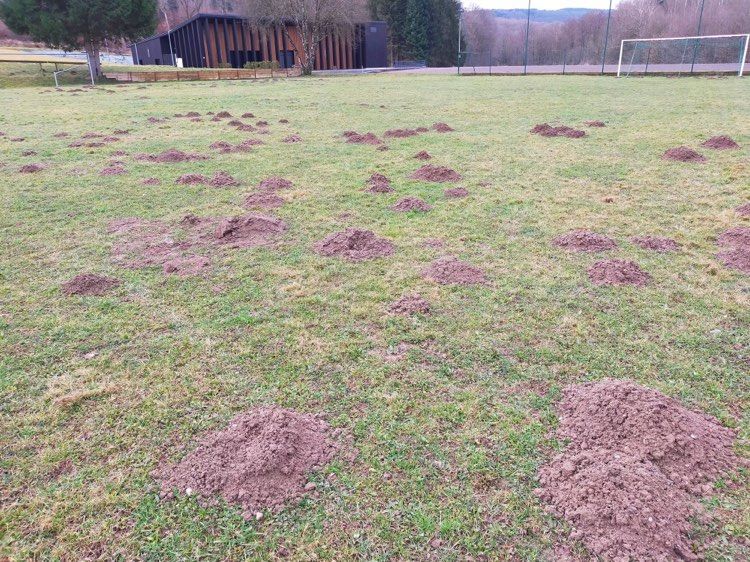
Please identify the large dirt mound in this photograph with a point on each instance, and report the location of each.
(618, 272)
(171, 155)
(452, 271)
(683, 154)
(263, 201)
(736, 249)
(378, 183)
(584, 241)
(249, 230)
(89, 284)
(410, 304)
(547, 130)
(354, 244)
(721, 142)
(439, 174)
(656, 243)
(260, 461)
(409, 204)
(637, 462)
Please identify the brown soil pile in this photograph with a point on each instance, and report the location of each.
(284, 121)
(722, 142)
(248, 231)
(439, 174)
(595, 124)
(443, 128)
(171, 155)
(275, 183)
(262, 460)
(422, 155)
(151, 181)
(378, 183)
(60, 135)
(409, 204)
(89, 284)
(292, 139)
(354, 244)
(366, 138)
(736, 249)
(584, 241)
(263, 201)
(262, 123)
(222, 146)
(400, 133)
(618, 272)
(637, 463)
(452, 271)
(246, 128)
(186, 266)
(656, 243)
(456, 192)
(18, 139)
(248, 116)
(30, 168)
(192, 179)
(410, 304)
(235, 123)
(683, 154)
(121, 132)
(224, 115)
(28, 153)
(223, 179)
(91, 135)
(743, 210)
(547, 130)
(736, 237)
(116, 170)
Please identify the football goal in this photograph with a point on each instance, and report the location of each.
(684, 55)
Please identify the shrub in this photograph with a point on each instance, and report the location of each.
(262, 65)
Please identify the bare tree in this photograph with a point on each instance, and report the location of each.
(312, 19)
(482, 33)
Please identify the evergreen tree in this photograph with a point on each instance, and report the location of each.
(418, 29)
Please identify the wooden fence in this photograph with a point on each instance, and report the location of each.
(209, 74)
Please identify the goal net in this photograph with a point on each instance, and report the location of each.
(684, 55)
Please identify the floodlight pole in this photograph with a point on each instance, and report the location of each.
(697, 41)
(606, 36)
(169, 38)
(458, 54)
(526, 49)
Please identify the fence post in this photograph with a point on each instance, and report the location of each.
(606, 36)
(565, 59)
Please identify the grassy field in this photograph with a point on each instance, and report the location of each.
(452, 412)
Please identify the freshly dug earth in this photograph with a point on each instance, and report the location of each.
(743, 210)
(736, 249)
(89, 284)
(584, 241)
(378, 183)
(400, 133)
(452, 271)
(116, 170)
(618, 272)
(683, 154)
(595, 124)
(456, 192)
(292, 139)
(721, 142)
(262, 460)
(263, 201)
(275, 183)
(438, 174)
(171, 155)
(354, 244)
(547, 130)
(223, 179)
(192, 179)
(367, 138)
(443, 128)
(738, 236)
(409, 204)
(656, 243)
(422, 155)
(151, 181)
(636, 464)
(186, 266)
(249, 230)
(410, 304)
(30, 168)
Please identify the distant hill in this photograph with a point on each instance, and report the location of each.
(544, 16)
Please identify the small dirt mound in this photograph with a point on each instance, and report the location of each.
(366, 138)
(223, 115)
(260, 461)
(354, 244)
(223, 179)
(743, 210)
(584, 241)
(378, 183)
(92, 135)
(722, 142)
(637, 462)
(438, 174)
(89, 284)
(28, 153)
(222, 146)
(422, 155)
(151, 181)
(683, 154)
(192, 114)
(171, 155)
(246, 128)
(235, 123)
(262, 123)
(30, 168)
(121, 132)
(452, 271)
(186, 266)
(249, 230)
(263, 201)
(284, 121)
(116, 170)
(410, 304)
(411, 204)
(274, 183)
(595, 124)
(61, 135)
(248, 116)
(443, 128)
(736, 237)
(736, 253)
(547, 130)
(292, 139)
(456, 192)
(192, 179)
(656, 243)
(400, 133)
(618, 272)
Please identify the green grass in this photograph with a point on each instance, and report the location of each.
(462, 420)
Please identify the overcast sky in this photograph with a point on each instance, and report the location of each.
(540, 4)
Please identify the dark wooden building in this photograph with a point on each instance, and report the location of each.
(226, 41)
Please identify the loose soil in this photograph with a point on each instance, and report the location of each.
(274, 183)
(116, 170)
(292, 139)
(28, 153)
(410, 304)
(422, 155)
(736, 249)
(400, 133)
(683, 154)
(89, 284)
(595, 124)
(367, 138)
(409, 204)
(248, 231)
(151, 181)
(443, 128)
(354, 244)
(223, 179)
(248, 116)
(262, 460)
(439, 174)
(722, 142)
(192, 179)
(378, 183)
(743, 210)
(263, 201)
(584, 241)
(618, 272)
(456, 192)
(186, 266)
(656, 243)
(738, 236)
(547, 130)
(452, 271)
(171, 155)
(636, 464)
(31, 168)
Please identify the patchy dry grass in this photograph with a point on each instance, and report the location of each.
(451, 411)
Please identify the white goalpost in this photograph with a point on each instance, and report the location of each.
(721, 53)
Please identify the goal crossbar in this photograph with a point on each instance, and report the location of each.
(744, 49)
